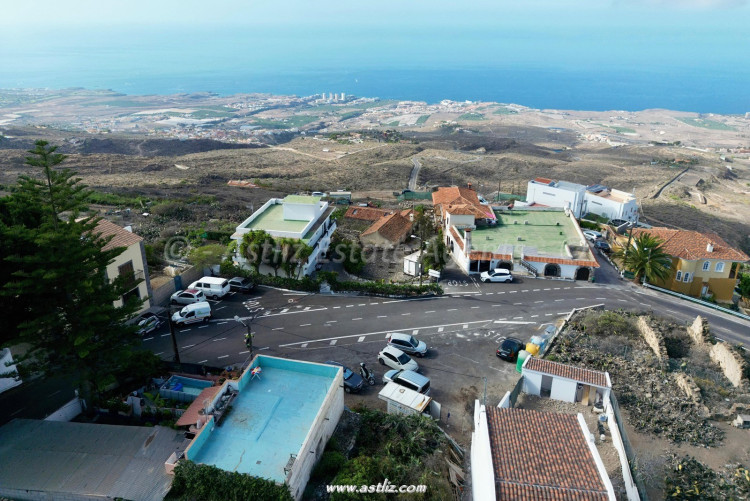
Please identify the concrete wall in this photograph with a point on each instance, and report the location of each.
(563, 389)
(555, 197)
(652, 338)
(610, 208)
(6, 383)
(532, 383)
(67, 412)
(160, 295)
(482, 470)
(323, 427)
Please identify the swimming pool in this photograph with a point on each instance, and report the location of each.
(269, 420)
(183, 389)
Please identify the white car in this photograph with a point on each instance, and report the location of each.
(188, 296)
(592, 235)
(496, 275)
(397, 359)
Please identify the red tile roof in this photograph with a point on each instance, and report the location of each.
(457, 238)
(559, 260)
(488, 256)
(366, 213)
(192, 413)
(579, 374)
(454, 198)
(120, 236)
(394, 227)
(692, 245)
(541, 456)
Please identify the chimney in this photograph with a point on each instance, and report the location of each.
(467, 240)
(710, 247)
(469, 185)
(411, 216)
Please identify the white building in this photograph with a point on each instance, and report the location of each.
(303, 218)
(596, 199)
(545, 378)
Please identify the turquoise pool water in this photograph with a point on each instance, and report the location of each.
(190, 386)
(269, 420)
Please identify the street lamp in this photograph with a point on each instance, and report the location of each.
(419, 264)
(248, 335)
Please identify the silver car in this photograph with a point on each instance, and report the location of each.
(188, 296)
(407, 343)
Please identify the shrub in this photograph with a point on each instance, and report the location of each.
(208, 483)
(329, 465)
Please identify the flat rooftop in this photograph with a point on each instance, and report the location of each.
(546, 231)
(301, 199)
(269, 420)
(272, 219)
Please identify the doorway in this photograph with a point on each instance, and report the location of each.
(583, 273)
(546, 389)
(551, 270)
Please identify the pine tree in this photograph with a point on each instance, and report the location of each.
(57, 279)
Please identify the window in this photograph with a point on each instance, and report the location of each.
(719, 267)
(707, 265)
(678, 277)
(686, 278)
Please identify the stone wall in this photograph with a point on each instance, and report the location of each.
(687, 385)
(652, 338)
(722, 354)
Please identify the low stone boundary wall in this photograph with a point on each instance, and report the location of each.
(721, 353)
(654, 340)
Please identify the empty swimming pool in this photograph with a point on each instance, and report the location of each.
(269, 419)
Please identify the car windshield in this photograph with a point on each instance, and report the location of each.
(413, 342)
(509, 344)
(347, 373)
(403, 358)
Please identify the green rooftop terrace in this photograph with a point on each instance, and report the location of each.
(272, 219)
(547, 231)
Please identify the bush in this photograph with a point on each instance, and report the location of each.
(329, 465)
(608, 323)
(208, 483)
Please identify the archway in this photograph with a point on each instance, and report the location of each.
(583, 273)
(552, 270)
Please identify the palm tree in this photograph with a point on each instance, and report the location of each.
(646, 258)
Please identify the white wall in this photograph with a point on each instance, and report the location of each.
(302, 212)
(532, 383)
(482, 469)
(612, 209)
(555, 197)
(6, 383)
(566, 270)
(563, 389)
(460, 220)
(67, 412)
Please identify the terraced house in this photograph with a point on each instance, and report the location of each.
(703, 265)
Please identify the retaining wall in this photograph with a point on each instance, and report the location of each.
(652, 338)
(721, 353)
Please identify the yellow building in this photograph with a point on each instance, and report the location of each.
(130, 264)
(703, 264)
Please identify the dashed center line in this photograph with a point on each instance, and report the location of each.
(405, 314)
(382, 316)
(223, 356)
(516, 304)
(184, 330)
(451, 309)
(277, 328)
(538, 301)
(358, 318)
(304, 325)
(431, 311)
(219, 339)
(188, 346)
(474, 307)
(558, 300)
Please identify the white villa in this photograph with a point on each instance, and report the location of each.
(304, 218)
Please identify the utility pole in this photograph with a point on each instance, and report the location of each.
(174, 338)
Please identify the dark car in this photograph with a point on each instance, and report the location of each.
(353, 382)
(239, 284)
(602, 245)
(509, 348)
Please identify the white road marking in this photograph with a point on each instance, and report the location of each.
(203, 326)
(623, 300)
(349, 305)
(306, 308)
(580, 298)
(430, 311)
(371, 304)
(516, 304)
(148, 338)
(382, 316)
(441, 329)
(358, 318)
(165, 335)
(513, 292)
(243, 352)
(415, 332)
(423, 327)
(303, 345)
(534, 316)
(465, 326)
(548, 289)
(644, 304)
(219, 339)
(184, 330)
(516, 318)
(336, 307)
(489, 293)
(188, 346)
(601, 298)
(474, 307)
(333, 341)
(362, 304)
(548, 314)
(538, 301)
(558, 300)
(284, 310)
(293, 312)
(223, 356)
(222, 323)
(203, 361)
(361, 338)
(563, 312)
(515, 322)
(451, 309)
(525, 290)
(501, 292)
(405, 314)
(331, 321)
(277, 328)
(160, 353)
(221, 307)
(566, 288)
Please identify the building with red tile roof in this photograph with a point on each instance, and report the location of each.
(367, 213)
(568, 383)
(130, 264)
(389, 231)
(524, 454)
(703, 264)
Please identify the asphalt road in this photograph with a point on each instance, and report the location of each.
(289, 323)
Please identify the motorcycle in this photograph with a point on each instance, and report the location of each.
(366, 374)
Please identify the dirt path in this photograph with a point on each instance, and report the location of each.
(678, 176)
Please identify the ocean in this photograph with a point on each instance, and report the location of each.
(431, 71)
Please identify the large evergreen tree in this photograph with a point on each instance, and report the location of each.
(54, 276)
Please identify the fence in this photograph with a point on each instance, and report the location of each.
(160, 295)
(698, 301)
(516, 391)
(629, 453)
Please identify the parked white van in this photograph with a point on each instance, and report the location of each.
(213, 287)
(196, 312)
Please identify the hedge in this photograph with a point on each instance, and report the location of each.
(208, 483)
(313, 285)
